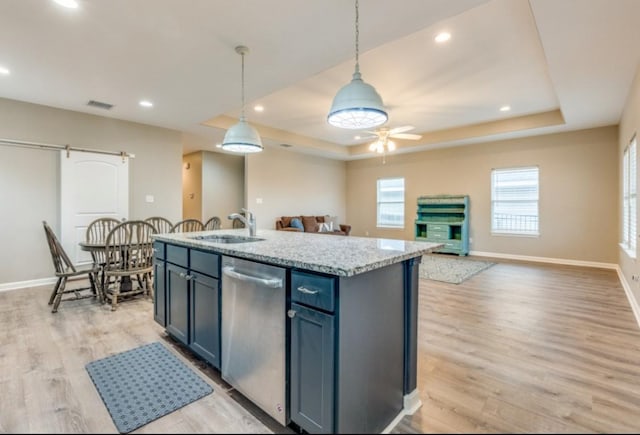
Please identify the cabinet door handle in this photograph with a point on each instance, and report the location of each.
(291, 314)
(306, 291)
(189, 277)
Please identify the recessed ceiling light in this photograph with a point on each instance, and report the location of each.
(442, 37)
(505, 108)
(71, 4)
(357, 137)
(4, 71)
(218, 145)
(145, 103)
(258, 108)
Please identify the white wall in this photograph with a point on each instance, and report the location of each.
(291, 184)
(222, 186)
(29, 178)
(578, 205)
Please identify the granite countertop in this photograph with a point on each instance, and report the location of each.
(332, 254)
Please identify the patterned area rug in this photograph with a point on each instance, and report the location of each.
(441, 267)
(143, 384)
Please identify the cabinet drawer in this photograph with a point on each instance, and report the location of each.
(158, 250)
(437, 227)
(205, 262)
(314, 290)
(178, 255)
(452, 244)
(437, 235)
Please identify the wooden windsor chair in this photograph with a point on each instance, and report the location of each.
(65, 270)
(188, 226)
(129, 254)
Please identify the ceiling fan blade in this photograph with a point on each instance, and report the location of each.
(401, 129)
(369, 137)
(406, 136)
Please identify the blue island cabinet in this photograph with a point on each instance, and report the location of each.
(351, 337)
(312, 351)
(192, 301)
(351, 364)
(159, 279)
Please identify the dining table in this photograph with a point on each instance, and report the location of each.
(125, 283)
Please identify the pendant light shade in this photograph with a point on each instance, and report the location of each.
(357, 105)
(242, 137)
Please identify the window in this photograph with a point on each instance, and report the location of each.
(629, 194)
(514, 201)
(391, 203)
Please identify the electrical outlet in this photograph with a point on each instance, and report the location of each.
(635, 277)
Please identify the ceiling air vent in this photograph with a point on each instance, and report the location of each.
(99, 104)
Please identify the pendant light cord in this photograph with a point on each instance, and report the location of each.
(357, 71)
(242, 90)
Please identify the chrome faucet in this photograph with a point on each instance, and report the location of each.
(248, 221)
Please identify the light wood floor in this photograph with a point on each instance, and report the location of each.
(518, 348)
(527, 348)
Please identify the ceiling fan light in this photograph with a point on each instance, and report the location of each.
(242, 138)
(391, 145)
(357, 105)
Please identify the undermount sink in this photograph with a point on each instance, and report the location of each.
(227, 238)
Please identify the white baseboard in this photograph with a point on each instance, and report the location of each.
(635, 307)
(24, 284)
(546, 260)
(411, 403)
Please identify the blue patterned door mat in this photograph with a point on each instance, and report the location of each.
(143, 384)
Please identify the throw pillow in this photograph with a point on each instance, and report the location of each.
(310, 224)
(295, 223)
(334, 222)
(325, 227)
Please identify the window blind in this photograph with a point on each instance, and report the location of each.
(629, 193)
(390, 194)
(514, 201)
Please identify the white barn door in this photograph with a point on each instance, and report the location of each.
(91, 186)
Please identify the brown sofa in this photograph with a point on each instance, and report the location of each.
(311, 224)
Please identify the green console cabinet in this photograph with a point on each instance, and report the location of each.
(444, 219)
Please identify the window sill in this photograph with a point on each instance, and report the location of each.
(627, 251)
(388, 227)
(505, 234)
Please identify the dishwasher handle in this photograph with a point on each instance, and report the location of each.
(267, 282)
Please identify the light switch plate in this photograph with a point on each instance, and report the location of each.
(149, 198)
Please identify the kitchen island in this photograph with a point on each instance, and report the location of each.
(344, 358)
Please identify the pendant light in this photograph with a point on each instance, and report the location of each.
(357, 105)
(241, 137)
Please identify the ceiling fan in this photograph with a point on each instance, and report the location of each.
(383, 144)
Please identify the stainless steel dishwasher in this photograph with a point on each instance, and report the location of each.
(253, 333)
